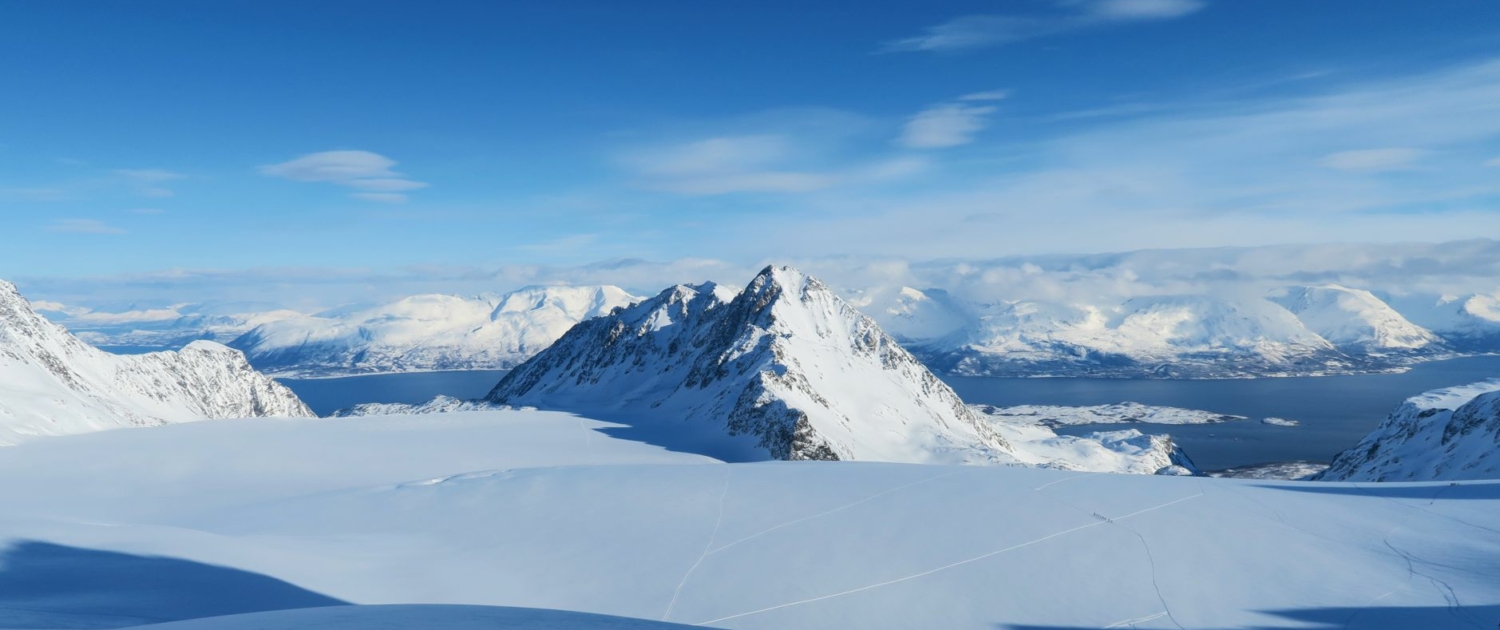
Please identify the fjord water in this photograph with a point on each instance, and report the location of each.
(1334, 411)
(327, 395)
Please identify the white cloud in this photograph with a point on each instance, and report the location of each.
(946, 125)
(149, 182)
(976, 31)
(381, 197)
(1144, 9)
(386, 184)
(83, 226)
(148, 175)
(362, 170)
(988, 95)
(1495, 163)
(723, 165)
(147, 211)
(1373, 160)
(32, 194)
(972, 32)
(1458, 268)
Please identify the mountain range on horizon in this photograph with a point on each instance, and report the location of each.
(1297, 330)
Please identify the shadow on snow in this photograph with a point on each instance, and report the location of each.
(45, 586)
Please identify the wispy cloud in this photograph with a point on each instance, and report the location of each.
(721, 165)
(1373, 160)
(945, 125)
(83, 226)
(149, 182)
(987, 95)
(1242, 172)
(32, 194)
(1494, 163)
(147, 211)
(361, 170)
(973, 32)
(148, 175)
(380, 197)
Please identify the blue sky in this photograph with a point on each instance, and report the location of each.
(165, 137)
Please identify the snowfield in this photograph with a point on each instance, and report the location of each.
(547, 510)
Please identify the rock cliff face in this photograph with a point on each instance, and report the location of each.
(1442, 435)
(784, 369)
(51, 383)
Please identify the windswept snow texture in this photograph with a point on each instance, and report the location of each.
(1444, 434)
(1356, 321)
(51, 383)
(1118, 413)
(543, 510)
(427, 332)
(784, 370)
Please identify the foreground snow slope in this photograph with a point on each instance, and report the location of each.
(417, 617)
(784, 369)
(1450, 433)
(545, 510)
(51, 383)
(427, 332)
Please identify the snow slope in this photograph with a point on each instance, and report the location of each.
(417, 617)
(427, 332)
(544, 510)
(1028, 431)
(1444, 434)
(1175, 336)
(51, 383)
(1468, 323)
(1356, 321)
(785, 370)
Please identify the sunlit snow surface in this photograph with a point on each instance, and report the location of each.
(545, 510)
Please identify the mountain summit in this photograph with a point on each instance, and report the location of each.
(52, 383)
(784, 370)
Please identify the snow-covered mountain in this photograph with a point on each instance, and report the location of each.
(165, 328)
(1356, 321)
(1468, 323)
(1176, 336)
(427, 332)
(1445, 434)
(906, 313)
(52, 383)
(785, 369)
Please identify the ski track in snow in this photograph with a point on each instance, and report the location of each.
(1150, 558)
(951, 565)
(831, 511)
(1130, 623)
(1053, 483)
(728, 474)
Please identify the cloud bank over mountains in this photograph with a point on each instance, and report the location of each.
(1390, 269)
